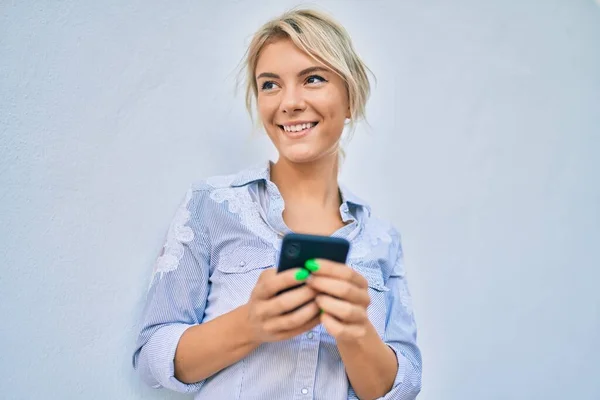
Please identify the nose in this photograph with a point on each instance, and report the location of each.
(292, 100)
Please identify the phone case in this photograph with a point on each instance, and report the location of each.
(297, 248)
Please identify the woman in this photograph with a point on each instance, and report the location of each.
(213, 323)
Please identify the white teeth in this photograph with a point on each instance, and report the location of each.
(299, 127)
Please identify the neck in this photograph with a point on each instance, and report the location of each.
(314, 183)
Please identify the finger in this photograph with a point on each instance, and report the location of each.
(288, 301)
(295, 332)
(339, 330)
(271, 282)
(259, 291)
(341, 289)
(332, 269)
(292, 320)
(344, 311)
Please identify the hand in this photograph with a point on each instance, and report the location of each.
(343, 295)
(274, 317)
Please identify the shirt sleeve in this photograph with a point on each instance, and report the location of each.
(401, 330)
(176, 298)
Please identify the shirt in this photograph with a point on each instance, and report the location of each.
(227, 230)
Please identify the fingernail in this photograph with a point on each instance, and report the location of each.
(311, 265)
(322, 311)
(302, 274)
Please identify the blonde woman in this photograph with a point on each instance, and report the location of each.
(214, 323)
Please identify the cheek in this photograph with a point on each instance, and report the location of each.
(266, 107)
(332, 105)
(266, 113)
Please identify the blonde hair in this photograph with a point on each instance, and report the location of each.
(322, 38)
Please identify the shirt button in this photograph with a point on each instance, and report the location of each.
(242, 263)
(310, 335)
(304, 391)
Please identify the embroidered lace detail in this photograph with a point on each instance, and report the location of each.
(370, 236)
(177, 234)
(406, 299)
(240, 202)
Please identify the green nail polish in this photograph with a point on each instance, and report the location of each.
(322, 311)
(302, 274)
(311, 265)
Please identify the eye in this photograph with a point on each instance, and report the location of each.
(267, 85)
(315, 79)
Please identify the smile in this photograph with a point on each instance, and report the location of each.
(298, 130)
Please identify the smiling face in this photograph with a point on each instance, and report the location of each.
(301, 103)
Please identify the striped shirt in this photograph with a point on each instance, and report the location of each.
(227, 230)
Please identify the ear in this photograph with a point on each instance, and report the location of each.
(348, 112)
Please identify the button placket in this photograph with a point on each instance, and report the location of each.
(306, 366)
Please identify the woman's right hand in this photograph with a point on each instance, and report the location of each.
(274, 317)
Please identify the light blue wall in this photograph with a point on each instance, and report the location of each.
(486, 119)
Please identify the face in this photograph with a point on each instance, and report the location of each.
(301, 103)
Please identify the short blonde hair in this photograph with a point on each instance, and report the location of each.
(325, 40)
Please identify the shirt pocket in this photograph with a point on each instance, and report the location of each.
(244, 259)
(235, 276)
(377, 310)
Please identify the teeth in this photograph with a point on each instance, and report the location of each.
(297, 128)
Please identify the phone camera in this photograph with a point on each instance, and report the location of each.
(293, 250)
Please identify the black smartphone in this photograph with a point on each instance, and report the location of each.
(297, 248)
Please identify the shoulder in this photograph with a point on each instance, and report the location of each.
(208, 184)
(383, 240)
(232, 180)
(382, 226)
(376, 228)
(208, 195)
(203, 192)
(380, 229)
(385, 232)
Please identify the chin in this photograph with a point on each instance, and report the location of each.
(300, 155)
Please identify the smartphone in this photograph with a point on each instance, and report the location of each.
(297, 248)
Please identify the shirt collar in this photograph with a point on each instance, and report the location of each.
(263, 172)
(255, 173)
(349, 197)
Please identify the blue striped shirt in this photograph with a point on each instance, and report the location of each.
(227, 230)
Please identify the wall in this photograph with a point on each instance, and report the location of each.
(483, 148)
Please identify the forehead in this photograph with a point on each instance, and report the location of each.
(283, 56)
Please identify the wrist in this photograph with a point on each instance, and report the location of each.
(362, 342)
(245, 327)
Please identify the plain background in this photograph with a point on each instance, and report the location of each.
(483, 149)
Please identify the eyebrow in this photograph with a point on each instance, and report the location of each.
(303, 72)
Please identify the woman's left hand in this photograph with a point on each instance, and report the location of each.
(344, 298)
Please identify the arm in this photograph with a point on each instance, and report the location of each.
(401, 336)
(401, 330)
(176, 298)
(389, 368)
(266, 317)
(370, 364)
(175, 349)
(230, 341)
(172, 347)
